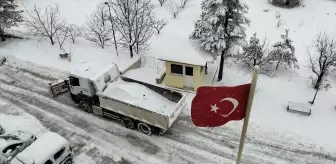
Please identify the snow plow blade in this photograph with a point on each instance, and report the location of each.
(59, 87)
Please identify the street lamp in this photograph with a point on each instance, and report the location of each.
(112, 26)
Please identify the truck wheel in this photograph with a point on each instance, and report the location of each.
(145, 128)
(69, 161)
(128, 122)
(85, 106)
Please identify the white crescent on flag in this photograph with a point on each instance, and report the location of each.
(234, 102)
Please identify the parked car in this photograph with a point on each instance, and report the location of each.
(2, 130)
(13, 143)
(50, 148)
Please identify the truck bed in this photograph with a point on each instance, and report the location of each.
(141, 102)
(140, 96)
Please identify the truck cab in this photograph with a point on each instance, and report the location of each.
(85, 81)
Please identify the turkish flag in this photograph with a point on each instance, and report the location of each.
(215, 106)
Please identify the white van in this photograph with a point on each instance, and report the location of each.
(50, 148)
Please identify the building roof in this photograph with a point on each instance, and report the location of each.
(188, 54)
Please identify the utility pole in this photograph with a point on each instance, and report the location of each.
(112, 26)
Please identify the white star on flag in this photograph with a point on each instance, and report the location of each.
(214, 108)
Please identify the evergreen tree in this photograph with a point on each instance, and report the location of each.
(284, 52)
(9, 16)
(256, 53)
(221, 26)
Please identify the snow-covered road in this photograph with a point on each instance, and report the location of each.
(109, 142)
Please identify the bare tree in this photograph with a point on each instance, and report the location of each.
(142, 38)
(74, 32)
(162, 2)
(184, 3)
(158, 25)
(44, 23)
(324, 57)
(133, 20)
(174, 6)
(62, 35)
(96, 29)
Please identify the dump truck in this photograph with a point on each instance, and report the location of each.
(101, 90)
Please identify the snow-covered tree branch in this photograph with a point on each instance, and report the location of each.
(284, 52)
(133, 20)
(62, 35)
(162, 2)
(74, 32)
(321, 58)
(256, 53)
(44, 23)
(97, 30)
(9, 16)
(174, 6)
(222, 25)
(158, 25)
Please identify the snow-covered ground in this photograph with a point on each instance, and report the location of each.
(274, 135)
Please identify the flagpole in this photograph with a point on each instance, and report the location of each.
(247, 114)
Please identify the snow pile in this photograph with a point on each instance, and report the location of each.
(144, 74)
(22, 122)
(32, 68)
(139, 95)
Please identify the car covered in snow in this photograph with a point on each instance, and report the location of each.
(50, 148)
(13, 143)
(2, 130)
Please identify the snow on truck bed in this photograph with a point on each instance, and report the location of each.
(140, 96)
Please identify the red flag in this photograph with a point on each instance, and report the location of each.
(215, 106)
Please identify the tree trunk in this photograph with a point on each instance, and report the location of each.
(3, 38)
(221, 66)
(277, 65)
(318, 81)
(2, 35)
(52, 40)
(137, 48)
(131, 50)
(312, 102)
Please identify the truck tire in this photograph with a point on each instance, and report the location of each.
(128, 122)
(69, 161)
(145, 128)
(85, 106)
